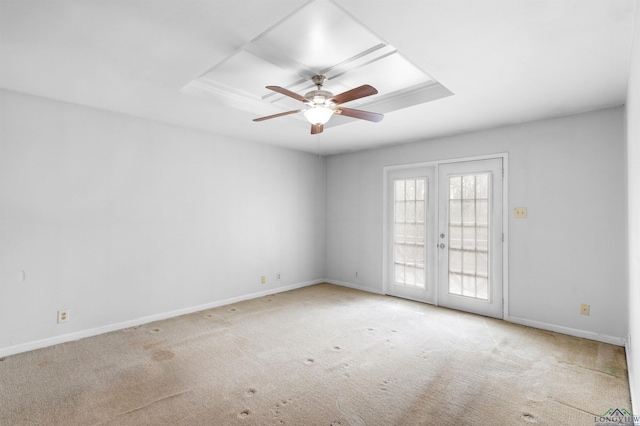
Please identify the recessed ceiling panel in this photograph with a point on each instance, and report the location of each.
(318, 38)
(238, 73)
(388, 75)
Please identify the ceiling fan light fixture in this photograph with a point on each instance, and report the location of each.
(322, 104)
(318, 114)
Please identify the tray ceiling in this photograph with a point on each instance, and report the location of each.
(506, 61)
(318, 38)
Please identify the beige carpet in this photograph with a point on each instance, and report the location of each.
(321, 355)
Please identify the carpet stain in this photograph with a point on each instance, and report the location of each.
(45, 363)
(310, 361)
(244, 414)
(232, 310)
(336, 348)
(208, 316)
(250, 392)
(529, 417)
(155, 330)
(151, 345)
(162, 355)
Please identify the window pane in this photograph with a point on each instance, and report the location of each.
(455, 261)
(469, 212)
(420, 233)
(482, 288)
(419, 276)
(468, 286)
(410, 232)
(410, 211)
(410, 189)
(420, 211)
(469, 262)
(469, 187)
(399, 273)
(455, 187)
(399, 211)
(455, 236)
(455, 211)
(482, 187)
(399, 190)
(482, 212)
(410, 274)
(455, 283)
(420, 190)
(419, 255)
(482, 264)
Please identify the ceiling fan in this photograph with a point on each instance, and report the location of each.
(323, 104)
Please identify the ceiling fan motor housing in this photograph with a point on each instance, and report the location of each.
(319, 97)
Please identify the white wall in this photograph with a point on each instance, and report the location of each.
(121, 220)
(570, 174)
(633, 168)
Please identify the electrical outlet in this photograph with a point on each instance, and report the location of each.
(263, 279)
(520, 212)
(278, 276)
(63, 315)
(584, 309)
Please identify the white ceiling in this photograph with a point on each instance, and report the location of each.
(506, 61)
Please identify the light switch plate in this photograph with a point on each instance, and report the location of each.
(520, 212)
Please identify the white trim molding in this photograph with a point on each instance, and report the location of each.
(355, 286)
(605, 338)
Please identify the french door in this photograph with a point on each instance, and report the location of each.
(444, 235)
(470, 236)
(410, 229)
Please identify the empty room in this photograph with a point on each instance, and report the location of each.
(319, 212)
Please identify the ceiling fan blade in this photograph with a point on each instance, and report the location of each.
(356, 113)
(353, 94)
(288, 93)
(268, 117)
(316, 128)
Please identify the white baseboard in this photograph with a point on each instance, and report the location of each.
(43, 343)
(354, 286)
(619, 341)
(29, 346)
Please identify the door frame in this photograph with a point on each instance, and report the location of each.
(386, 170)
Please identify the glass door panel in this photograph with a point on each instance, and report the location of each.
(470, 236)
